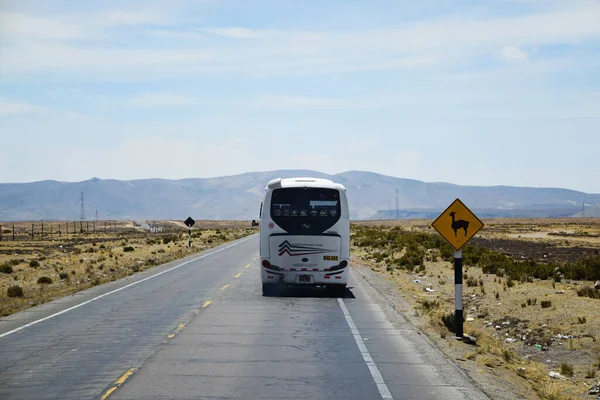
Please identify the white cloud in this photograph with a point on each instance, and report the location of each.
(162, 100)
(237, 33)
(174, 34)
(513, 54)
(301, 102)
(119, 17)
(12, 107)
(284, 52)
(19, 26)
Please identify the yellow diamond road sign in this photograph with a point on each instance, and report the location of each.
(457, 224)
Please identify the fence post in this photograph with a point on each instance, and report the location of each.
(42, 237)
(13, 233)
(50, 232)
(0, 233)
(31, 231)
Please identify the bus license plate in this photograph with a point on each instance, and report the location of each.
(304, 278)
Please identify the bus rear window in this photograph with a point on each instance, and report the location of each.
(305, 210)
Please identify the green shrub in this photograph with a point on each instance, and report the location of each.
(6, 269)
(471, 281)
(34, 263)
(14, 262)
(430, 304)
(127, 249)
(507, 355)
(566, 369)
(590, 374)
(44, 280)
(63, 275)
(589, 291)
(546, 304)
(14, 291)
(449, 321)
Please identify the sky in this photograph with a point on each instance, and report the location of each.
(501, 92)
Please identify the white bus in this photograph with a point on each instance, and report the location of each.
(304, 235)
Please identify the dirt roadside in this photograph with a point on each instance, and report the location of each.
(493, 382)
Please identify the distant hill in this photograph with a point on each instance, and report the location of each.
(372, 196)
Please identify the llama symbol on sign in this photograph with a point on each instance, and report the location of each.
(460, 224)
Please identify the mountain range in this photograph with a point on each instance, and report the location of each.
(371, 196)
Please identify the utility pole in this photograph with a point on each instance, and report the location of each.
(82, 208)
(397, 207)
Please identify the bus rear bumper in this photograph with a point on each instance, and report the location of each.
(305, 278)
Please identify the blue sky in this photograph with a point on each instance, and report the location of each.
(501, 92)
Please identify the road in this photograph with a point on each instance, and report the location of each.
(200, 328)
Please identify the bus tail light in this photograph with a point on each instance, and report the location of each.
(268, 265)
(341, 265)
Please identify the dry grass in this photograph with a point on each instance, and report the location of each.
(537, 311)
(62, 265)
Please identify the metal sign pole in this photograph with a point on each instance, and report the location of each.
(458, 293)
(190, 237)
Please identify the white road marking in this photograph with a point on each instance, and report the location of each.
(117, 290)
(381, 386)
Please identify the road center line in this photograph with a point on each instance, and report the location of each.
(238, 275)
(381, 386)
(225, 287)
(118, 383)
(117, 290)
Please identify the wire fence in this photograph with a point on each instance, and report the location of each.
(55, 230)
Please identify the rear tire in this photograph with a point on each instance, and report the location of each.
(271, 289)
(338, 290)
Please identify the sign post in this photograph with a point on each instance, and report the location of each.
(189, 222)
(457, 224)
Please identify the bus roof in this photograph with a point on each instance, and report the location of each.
(304, 182)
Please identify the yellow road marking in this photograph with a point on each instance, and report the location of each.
(207, 304)
(125, 376)
(247, 266)
(118, 383)
(225, 287)
(108, 393)
(179, 328)
(255, 258)
(238, 275)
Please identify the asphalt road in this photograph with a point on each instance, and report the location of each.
(201, 329)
